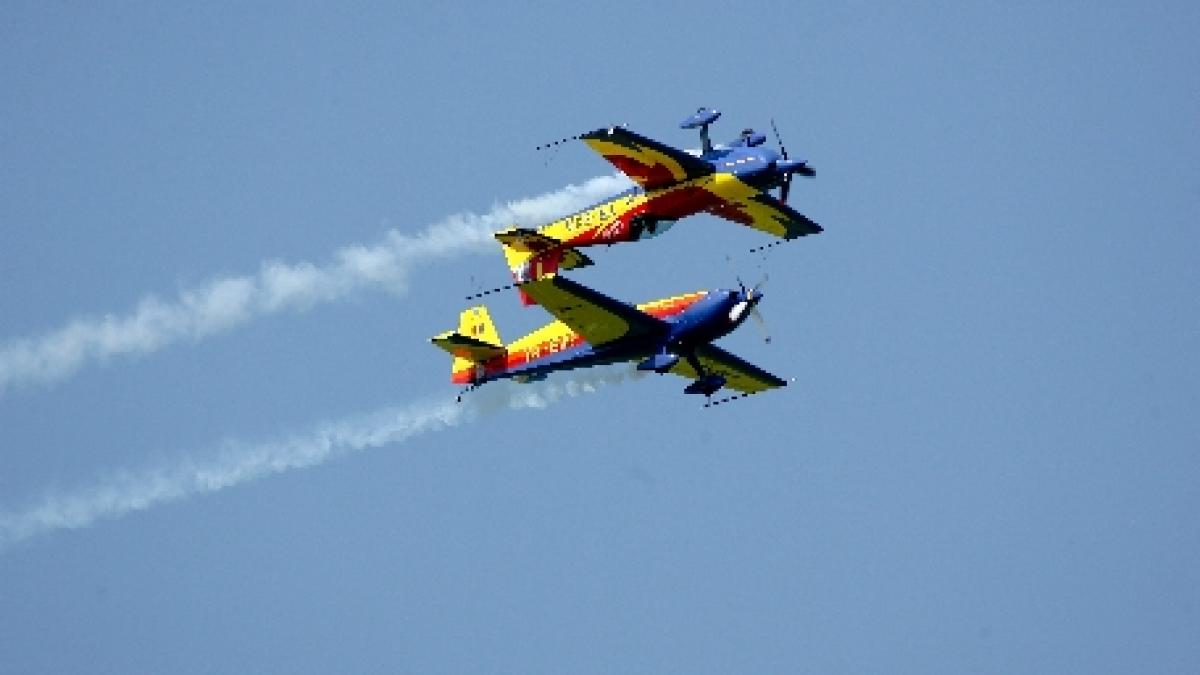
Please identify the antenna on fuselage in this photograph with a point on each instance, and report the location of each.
(702, 118)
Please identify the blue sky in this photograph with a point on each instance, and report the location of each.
(986, 464)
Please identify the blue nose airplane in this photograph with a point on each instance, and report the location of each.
(731, 181)
(670, 335)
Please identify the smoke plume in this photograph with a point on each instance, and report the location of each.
(235, 463)
(227, 302)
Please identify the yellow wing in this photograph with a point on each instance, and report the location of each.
(597, 317)
(739, 375)
(767, 214)
(650, 163)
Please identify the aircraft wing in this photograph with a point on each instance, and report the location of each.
(646, 161)
(767, 214)
(739, 374)
(595, 316)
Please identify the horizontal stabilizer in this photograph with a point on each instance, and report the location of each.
(466, 347)
(526, 240)
(532, 255)
(572, 260)
(529, 245)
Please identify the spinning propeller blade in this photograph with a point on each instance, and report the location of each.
(787, 178)
(761, 283)
(762, 324)
(788, 167)
(754, 313)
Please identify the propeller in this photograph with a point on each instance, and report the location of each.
(787, 177)
(761, 323)
(761, 284)
(757, 315)
(799, 167)
(750, 294)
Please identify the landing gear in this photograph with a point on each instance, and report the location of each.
(660, 363)
(706, 383)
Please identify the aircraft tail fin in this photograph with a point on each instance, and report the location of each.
(531, 256)
(474, 343)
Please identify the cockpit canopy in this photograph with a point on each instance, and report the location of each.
(749, 138)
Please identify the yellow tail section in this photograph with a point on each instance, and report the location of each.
(532, 255)
(475, 341)
(475, 322)
(518, 261)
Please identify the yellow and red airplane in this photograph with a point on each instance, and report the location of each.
(731, 181)
(671, 335)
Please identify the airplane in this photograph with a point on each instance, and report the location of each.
(730, 181)
(670, 335)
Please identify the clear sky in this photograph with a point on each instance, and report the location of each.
(226, 445)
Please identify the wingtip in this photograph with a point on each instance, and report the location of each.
(597, 133)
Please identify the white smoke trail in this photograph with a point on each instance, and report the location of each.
(235, 463)
(226, 302)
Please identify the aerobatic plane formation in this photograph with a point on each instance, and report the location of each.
(671, 335)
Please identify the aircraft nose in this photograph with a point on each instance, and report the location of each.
(790, 166)
(748, 295)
